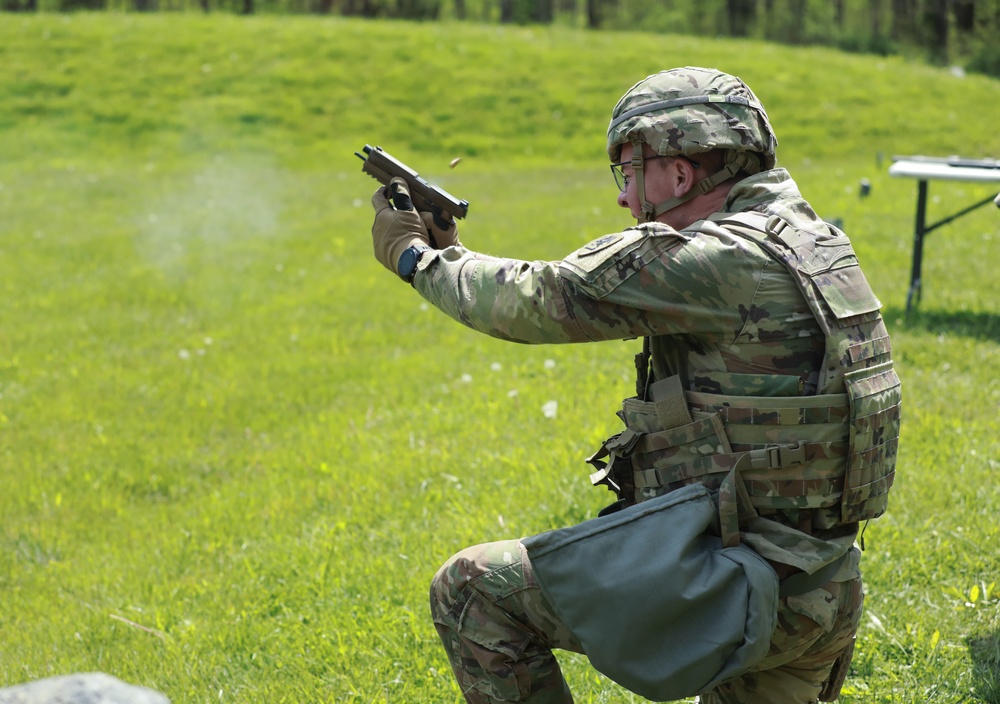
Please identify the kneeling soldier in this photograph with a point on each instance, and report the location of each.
(765, 384)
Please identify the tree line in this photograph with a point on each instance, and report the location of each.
(944, 31)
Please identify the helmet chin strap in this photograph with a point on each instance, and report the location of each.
(638, 159)
(735, 161)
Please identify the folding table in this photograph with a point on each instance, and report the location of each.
(924, 169)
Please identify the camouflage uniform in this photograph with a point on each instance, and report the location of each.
(499, 630)
(721, 313)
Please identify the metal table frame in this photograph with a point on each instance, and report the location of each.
(924, 169)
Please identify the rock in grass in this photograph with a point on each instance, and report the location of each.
(88, 688)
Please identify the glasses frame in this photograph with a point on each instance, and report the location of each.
(621, 180)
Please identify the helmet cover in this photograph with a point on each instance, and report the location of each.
(689, 111)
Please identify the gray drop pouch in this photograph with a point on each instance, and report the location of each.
(659, 605)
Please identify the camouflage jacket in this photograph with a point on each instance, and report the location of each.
(721, 313)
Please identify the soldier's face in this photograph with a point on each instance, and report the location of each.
(660, 181)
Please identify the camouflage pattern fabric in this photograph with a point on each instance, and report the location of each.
(499, 631)
(814, 630)
(497, 627)
(645, 113)
(727, 318)
(716, 305)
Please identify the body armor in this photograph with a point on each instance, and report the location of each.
(814, 462)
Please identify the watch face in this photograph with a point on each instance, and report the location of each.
(408, 262)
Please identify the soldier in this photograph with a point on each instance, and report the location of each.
(765, 377)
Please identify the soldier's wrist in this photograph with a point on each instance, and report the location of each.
(406, 263)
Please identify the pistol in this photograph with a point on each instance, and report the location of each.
(383, 167)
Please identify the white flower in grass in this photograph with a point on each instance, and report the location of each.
(466, 378)
(512, 393)
(184, 354)
(550, 364)
(550, 408)
(876, 621)
(496, 366)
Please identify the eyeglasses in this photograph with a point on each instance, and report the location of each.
(621, 178)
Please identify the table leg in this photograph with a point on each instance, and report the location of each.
(918, 245)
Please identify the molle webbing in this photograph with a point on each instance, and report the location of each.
(758, 410)
(832, 454)
(766, 486)
(762, 454)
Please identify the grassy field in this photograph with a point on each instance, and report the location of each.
(234, 450)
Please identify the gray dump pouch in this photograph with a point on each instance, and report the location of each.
(658, 604)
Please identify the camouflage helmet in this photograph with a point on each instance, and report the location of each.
(692, 110)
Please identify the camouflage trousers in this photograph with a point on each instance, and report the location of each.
(499, 631)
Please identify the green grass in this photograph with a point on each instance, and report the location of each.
(222, 421)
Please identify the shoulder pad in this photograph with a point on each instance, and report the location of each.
(602, 265)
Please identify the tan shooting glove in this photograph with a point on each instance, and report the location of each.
(442, 228)
(397, 224)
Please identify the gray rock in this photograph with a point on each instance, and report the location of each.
(87, 688)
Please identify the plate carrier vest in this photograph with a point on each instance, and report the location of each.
(818, 461)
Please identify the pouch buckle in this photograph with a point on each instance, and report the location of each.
(778, 456)
(622, 444)
(616, 448)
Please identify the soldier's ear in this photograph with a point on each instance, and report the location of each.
(683, 176)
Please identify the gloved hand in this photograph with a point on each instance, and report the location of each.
(442, 228)
(397, 224)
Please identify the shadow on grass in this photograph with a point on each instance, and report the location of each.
(984, 326)
(985, 653)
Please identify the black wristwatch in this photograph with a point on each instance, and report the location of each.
(407, 265)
